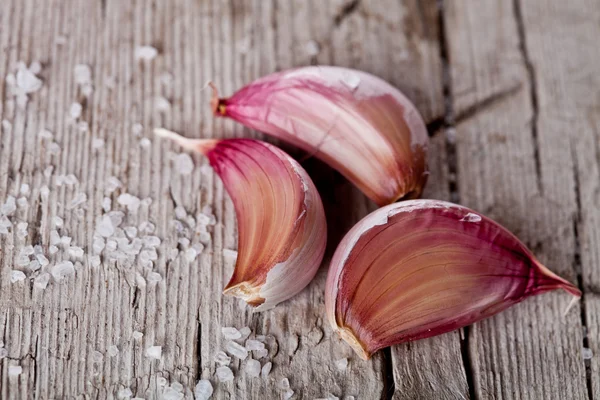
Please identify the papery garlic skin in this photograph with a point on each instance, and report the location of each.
(420, 268)
(357, 123)
(281, 222)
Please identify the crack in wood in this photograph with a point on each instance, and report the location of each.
(532, 90)
(347, 10)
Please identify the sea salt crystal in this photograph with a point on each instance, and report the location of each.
(105, 227)
(266, 370)
(161, 104)
(171, 394)
(177, 386)
(17, 276)
(111, 245)
(44, 192)
(53, 148)
(45, 134)
(83, 74)
(41, 281)
(58, 222)
(342, 364)
(151, 241)
(35, 67)
(154, 352)
(131, 202)
(3, 353)
(112, 184)
(6, 126)
(145, 53)
(95, 261)
(4, 224)
(62, 270)
(180, 212)
(24, 189)
(587, 353)
(252, 368)
(75, 110)
(66, 241)
(145, 142)
(106, 204)
(204, 237)
(78, 200)
(52, 249)
(230, 333)
(22, 230)
(98, 244)
(236, 350)
(222, 358)
(97, 357)
(27, 81)
(97, 143)
(136, 335)
(153, 277)
(184, 164)
(83, 127)
(283, 384)
(14, 370)
(54, 237)
(42, 259)
(9, 206)
(288, 394)
(203, 390)
(87, 90)
(160, 381)
(471, 217)
(22, 261)
(75, 251)
(22, 202)
(312, 48)
(224, 374)
(261, 353)
(230, 255)
(131, 232)
(26, 250)
(184, 242)
(351, 80)
(124, 393)
(112, 350)
(254, 345)
(191, 254)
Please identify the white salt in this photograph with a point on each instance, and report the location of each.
(137, 129)
(203, 390)
(254, 345)
(341, 364)
(98, 244)
(24, 189)
(222, 358)
(42, 259)
(191, 254)
(62, 270)
(131, 202)
(6, 126)
(112, 350)
(184, 164)
(153, 277)
(97, 143)
(224, 374)
(288, 394)
(17, 276)
(151, 241)
(161, 104)
(45, 134)
(283, 384)
(124, 393)
(35, 67)
(58, 222)
(87, 90)
(54, 237)
(177, 386)
(66, 241)
(4, 224)
(41, 281)
(22, 202)
(136, 335)
(236, 350)
(312, 48)
(204, 237)
(261, 353)
(52, 249)
(587, 353)
(9, 206)
(184, 242)
(154, 352)
(111, 245)
(22, 261)
(351, 80)
(106, 204)
(145, 142)
(83, 74)
(97, 356)
(266, 370)
(83, 127)
(22, 230)
(160, 381)
(26, 250)
(34, 265)
(180, 212)
(3, 353)
(145, 53)
(78, 200)
(171, 394)
(105, 227)
(230, 333)
(95, 261)
(75, 110)
(252, 368)
(230, 255)
(44, 192)
(75, 251)
(27, 81)
(112, 184)
(14, 370)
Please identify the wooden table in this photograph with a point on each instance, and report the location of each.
(510, 90)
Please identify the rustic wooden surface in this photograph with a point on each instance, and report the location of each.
(510, 90)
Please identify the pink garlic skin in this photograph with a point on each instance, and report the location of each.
(357, 123)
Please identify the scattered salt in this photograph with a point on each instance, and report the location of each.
(105, 227)
(4, 224)
(171, 394)
(283, 384)
(252, 368)
(3, 353)
(6, 126)
(83, 127)
(154, 352)
(17, 276)
(351, 80)
(161, 104)
(160, 381)
(83, 74)
(124, 393)
(24, 189)
(145, 142)
(75, 251)
(136, 335)
(222, 358)
(52, 249)
(95, 261)
(35, 67)
(42, 259)
(75, 110)
(184, 164)
(22, 202)
(312, 48)
(27, 81)
(62, 270)
(230, 333)
(45, 134)
(203, 390)
(41, 281)
(22, 261)
(66, 241)
(288, 394)
(112, 184)
(97, 143)
(341, 364)
(587, 353)
(191, 254)
(53, 148)
(44, 192)
(106, 204)
(97, 356)
(261, 353)
(131, 202)
(236, 350)
(58, 222)
(184, 242)
(471, 217)
(26, 250)
(153, 277)
(112, 350)
(78, 200)
(9, 206)
(224, 374)
(145, 53)
(34, 265)
(151, 241)
(14, 370)
(254, 345)
(266, 370)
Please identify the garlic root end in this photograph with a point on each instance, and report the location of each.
(200, 145)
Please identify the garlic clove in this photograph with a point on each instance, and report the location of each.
(421, 268)
(281, 222)
(357, 123)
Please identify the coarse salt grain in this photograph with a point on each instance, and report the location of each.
(75, 110)
(222, 358)
(161, 104)
(288, 394)
(191, 254)
(26, 250)
(97, 357)
(45, 134)
(283, 384)
(112, 350)
(131, 202)
(261, 353)
(14, 370)
(254, 345)
(145, 142)
(24, 189)
(252, 368)
(3, 353)
(266, 370)
(171, 394)
(224, 374)
(75, 251)
(145, 53)
(35, 67)
(83, 74)
(154, 352)
(312, 48)
(124, 393)
(22, 202)
(41, 281)
(58, 222)
(105, 227)
(62, 270)
(341, 364)
(587, 353)
(42, 259)
(27, 81)
(230, 333)
(97, 143)
(112, 184)
(78, 200)
(83, 127)
(44, 192)
(17, 276)
(137, 335)
(184, 164)
(153, 277)
(236, 350)
(95, 261)
(203, 390)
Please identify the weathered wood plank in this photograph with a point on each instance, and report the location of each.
(530, 351)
